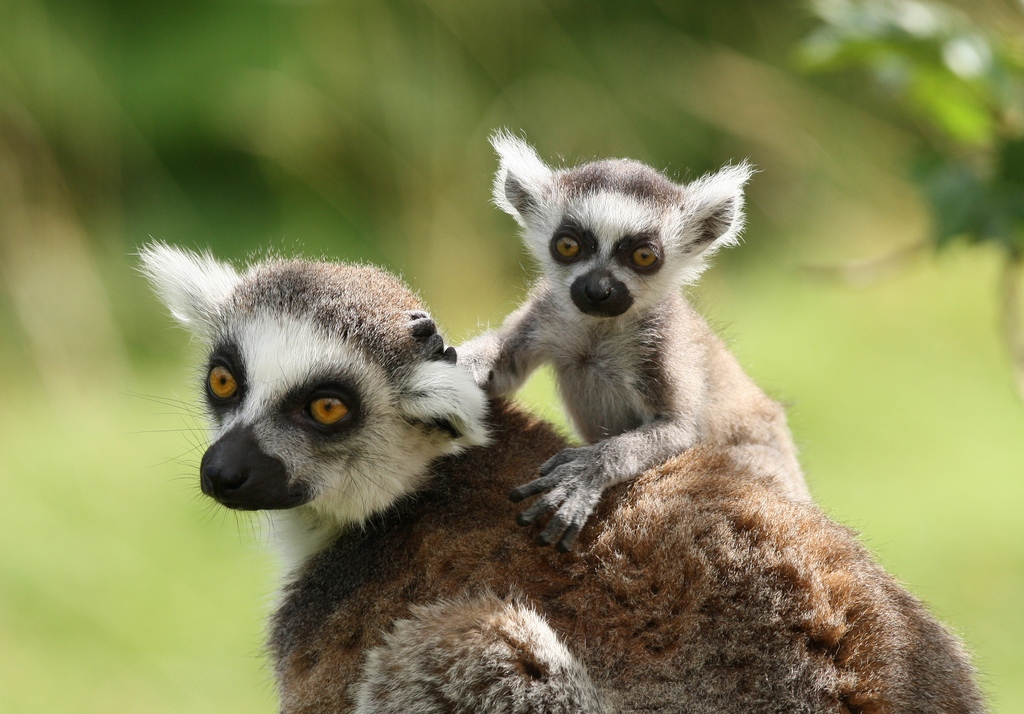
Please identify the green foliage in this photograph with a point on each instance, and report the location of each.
(964, 88)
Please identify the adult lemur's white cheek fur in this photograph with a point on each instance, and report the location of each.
(642, 376)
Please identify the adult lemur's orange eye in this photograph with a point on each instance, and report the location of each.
(222, 383)
(644, 257)
(567, 247)
(328, 410)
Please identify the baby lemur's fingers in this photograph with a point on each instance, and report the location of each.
(539, 485)
(545, 504)
(423, 328)
(433, 346)
(569, 539)
(420, 324)
(566, 525)
(562, 457)
(556, 526)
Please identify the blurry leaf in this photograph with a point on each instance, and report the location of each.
(966, 205)
(956, 196)
(934, 61)
(953, 105)
(1009, 192)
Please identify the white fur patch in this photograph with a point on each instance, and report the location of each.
(194, 286)
(439, 390)
(519, 160)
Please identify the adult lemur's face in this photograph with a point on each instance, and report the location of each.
(319, 393)
(616, 235)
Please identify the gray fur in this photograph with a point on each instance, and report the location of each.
(475, 654)
(643, 385)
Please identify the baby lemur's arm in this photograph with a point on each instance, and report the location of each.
(501, 360)
(573, 480)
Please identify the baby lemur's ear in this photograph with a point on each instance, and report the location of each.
(713, 210)
(193, 286)
(443, 395)
(523, 181)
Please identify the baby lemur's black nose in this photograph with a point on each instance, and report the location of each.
(601, 294)
(239, 474)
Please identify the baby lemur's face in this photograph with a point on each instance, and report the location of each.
(606, 248)
(617, 235)
(320, 394)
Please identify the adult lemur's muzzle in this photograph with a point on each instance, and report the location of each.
(239, 474)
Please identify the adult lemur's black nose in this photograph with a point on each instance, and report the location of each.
(239, 474)
(600, 294)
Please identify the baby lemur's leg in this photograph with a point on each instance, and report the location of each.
(502, 359)
(573, 480)
(478, 654)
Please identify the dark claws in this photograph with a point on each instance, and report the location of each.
(434, 345)
(527, 489)
(569, 539)
(555, 461)
(550, 534)
(424, 329)
(422, 325)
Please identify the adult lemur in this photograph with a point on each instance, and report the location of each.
(701, 587)
(642, 375)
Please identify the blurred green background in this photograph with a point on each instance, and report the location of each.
(357, 130)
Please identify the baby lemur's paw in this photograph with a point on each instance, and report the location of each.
(572, 482)
(424, 331)
(480, 362)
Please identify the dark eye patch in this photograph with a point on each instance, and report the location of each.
(625, 247)
(571, 228)
(225, 355)
(294, 406)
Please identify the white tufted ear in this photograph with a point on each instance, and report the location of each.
(714, 209)
(523, 181)
(192, 285)
(444, 394)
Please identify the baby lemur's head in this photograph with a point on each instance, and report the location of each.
(616, 233)
(320, 396)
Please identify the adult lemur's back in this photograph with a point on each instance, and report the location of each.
(701, 587)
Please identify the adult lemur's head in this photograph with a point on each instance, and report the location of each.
(617, 233)
(320, 395)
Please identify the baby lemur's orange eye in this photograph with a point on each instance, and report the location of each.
(644, 257)
(567, 247)
(222, 383)
(328, 410)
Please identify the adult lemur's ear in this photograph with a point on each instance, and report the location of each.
(193, 286)
(523, 181)
(713, 206)
(445, 396)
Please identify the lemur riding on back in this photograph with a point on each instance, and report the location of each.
(642, 375)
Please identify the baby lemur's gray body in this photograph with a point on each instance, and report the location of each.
(642, 375)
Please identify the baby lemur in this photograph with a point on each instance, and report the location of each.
(642, 375)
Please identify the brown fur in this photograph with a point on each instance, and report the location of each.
(698, 588)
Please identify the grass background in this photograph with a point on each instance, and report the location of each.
(358, 130)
